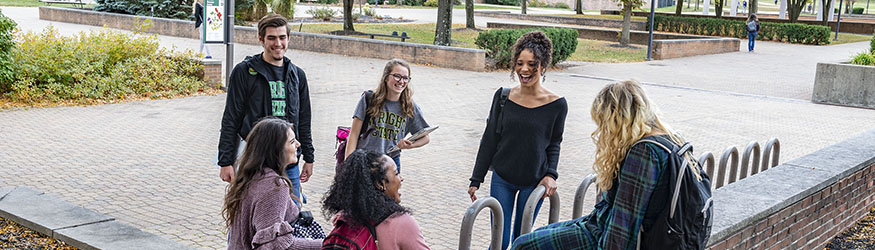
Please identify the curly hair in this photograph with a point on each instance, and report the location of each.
(354, 191)
(265, 151)
(623, 115)
(539, 44)
(376, 104)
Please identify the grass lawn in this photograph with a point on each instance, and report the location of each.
(587, 50)
(22, 3)
(848, 38)
(600, 51)
(37, 3)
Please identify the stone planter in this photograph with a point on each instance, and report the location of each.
(844, 84)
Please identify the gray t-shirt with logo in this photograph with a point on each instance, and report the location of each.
(389, 127)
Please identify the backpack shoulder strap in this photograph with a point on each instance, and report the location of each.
(369, 95)
(502, 99)
(681, 169)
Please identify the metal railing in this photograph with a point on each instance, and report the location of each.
(471, 214)
(751, 162)
(532, 202)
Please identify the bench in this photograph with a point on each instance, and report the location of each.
(394, 34)
(78, 3)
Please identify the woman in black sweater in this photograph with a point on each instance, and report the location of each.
(523, 133)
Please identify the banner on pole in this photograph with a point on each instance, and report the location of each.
(214, 21)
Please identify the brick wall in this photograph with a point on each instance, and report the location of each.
(440, 56)
(811, 222)
(212, 73)
(666, 49)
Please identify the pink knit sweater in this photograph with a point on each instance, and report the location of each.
(262, 220)
(398, 232)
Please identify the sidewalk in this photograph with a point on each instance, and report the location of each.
(150, 163)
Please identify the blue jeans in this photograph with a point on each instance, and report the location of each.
(294, 174)
(397, 160)
(751, 38)
(506, 193)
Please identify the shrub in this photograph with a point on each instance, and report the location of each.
(560, 5)
(864, 59)
(100, 65)
(368, 11)
(431, 3)
(327, 1)
(858, 10)
(786, 32)
(536, 4)
(323, 13)
(177, 9)
(285, 8)
(498, 43)
(7, 28)
(872, 44)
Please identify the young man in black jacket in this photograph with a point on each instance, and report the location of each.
(267, 84)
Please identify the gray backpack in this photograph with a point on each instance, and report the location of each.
(752, 26)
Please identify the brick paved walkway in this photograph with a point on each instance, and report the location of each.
(150, 163)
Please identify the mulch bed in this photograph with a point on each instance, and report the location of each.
(860, 236)
(14, 236)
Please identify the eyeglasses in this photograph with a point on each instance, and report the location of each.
(401, 78)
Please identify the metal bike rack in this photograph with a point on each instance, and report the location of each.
(773, 146)
(706, 162)
(730, 152)
(532, 202)
(471, 214)
(580, 196)
(752, 147)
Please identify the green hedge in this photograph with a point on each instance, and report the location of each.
(7, 28)
(177, 9)
(864, 59)
(858, 10)
(498, 43)
(784, 32)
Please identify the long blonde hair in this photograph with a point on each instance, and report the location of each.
(406, 99)
(623, 115)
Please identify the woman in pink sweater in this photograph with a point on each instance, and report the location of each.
(258, 206)
(366, 190)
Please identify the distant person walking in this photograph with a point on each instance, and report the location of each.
(198, 11)
(753, 26)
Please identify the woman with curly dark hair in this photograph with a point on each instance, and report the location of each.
(523, 133)
(258, 206)
(366, 192)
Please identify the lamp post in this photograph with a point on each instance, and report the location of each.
(838, 20)
(650, 33)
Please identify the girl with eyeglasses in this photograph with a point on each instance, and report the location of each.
(388, 114)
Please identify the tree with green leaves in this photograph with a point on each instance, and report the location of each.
(752, 6)
(444, 23)
(628, 6)
(718, 7)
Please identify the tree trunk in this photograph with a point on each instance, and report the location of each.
(444, 23)
(794, 8)
(753, 7)
(627, 22)
(824, 8)
(347, 15)
(679, 8)
(523, 5)
(469, 14)
(718, 7)
(579, 6)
